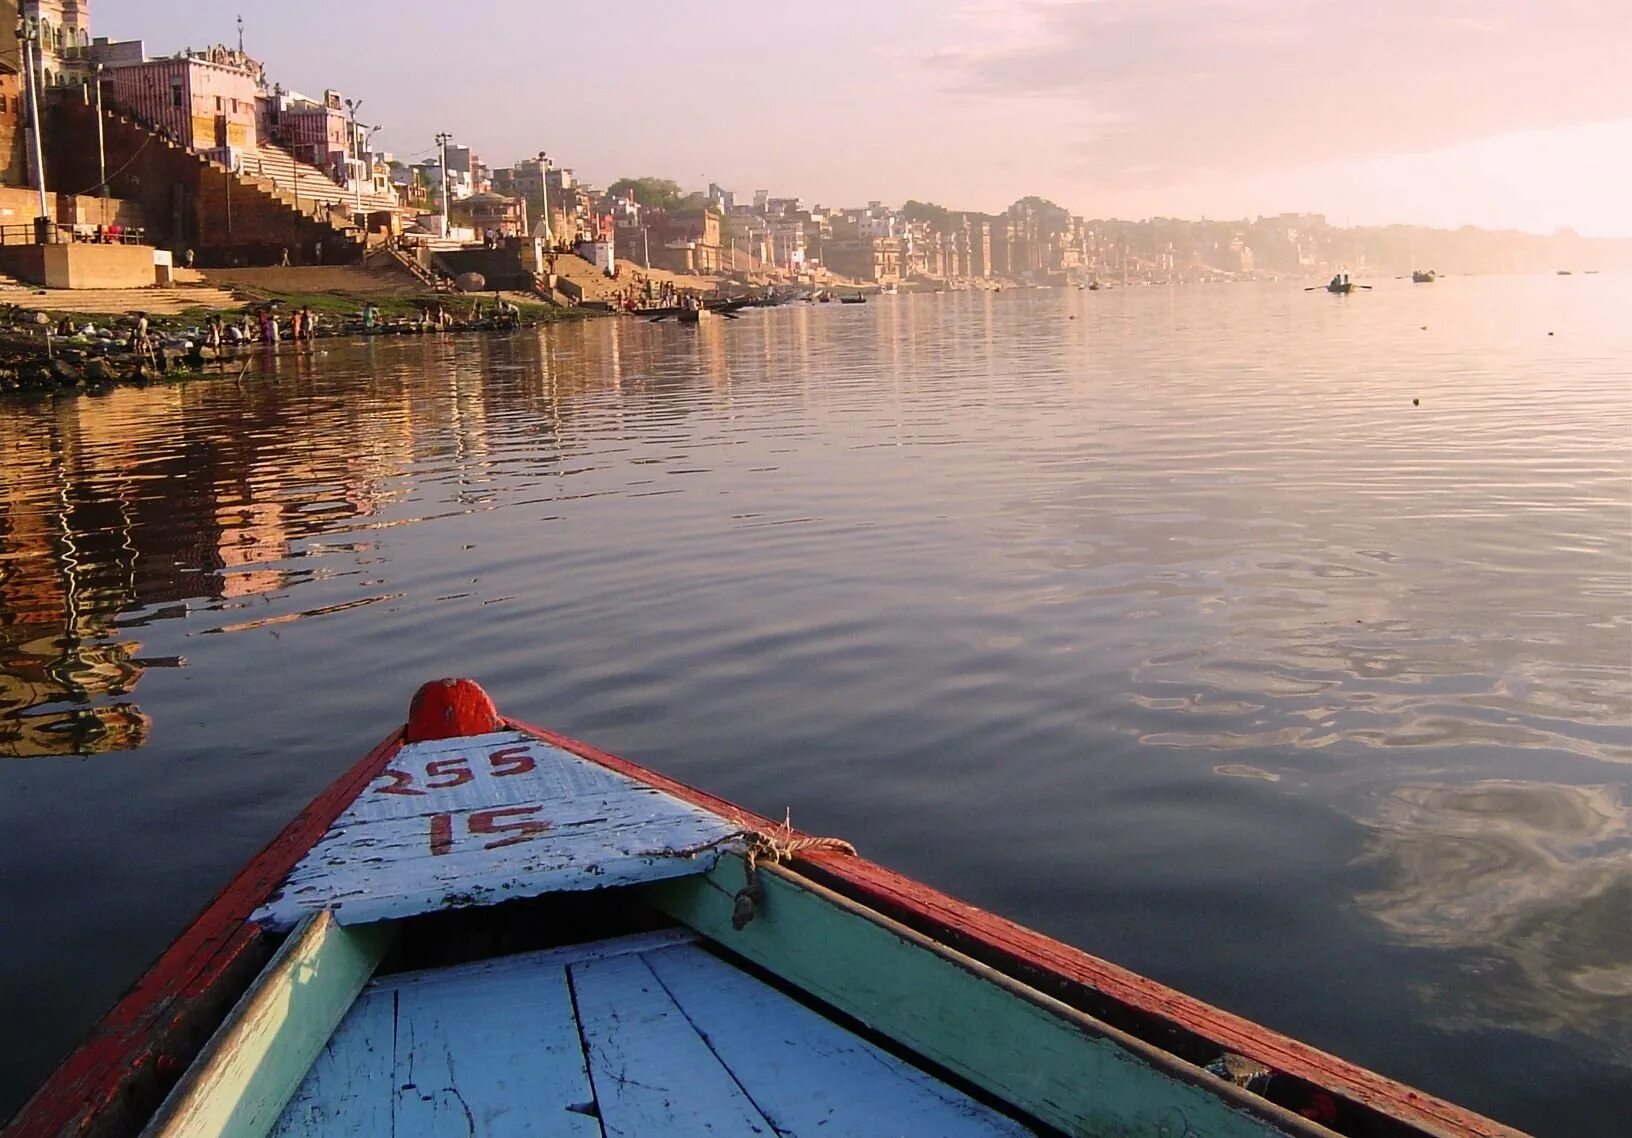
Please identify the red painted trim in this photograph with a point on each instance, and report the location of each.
(1023, 948)
(147, 1039)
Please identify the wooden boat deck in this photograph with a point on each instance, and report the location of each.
(624, 1038)
(457, 822)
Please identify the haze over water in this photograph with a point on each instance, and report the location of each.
(1162, 620)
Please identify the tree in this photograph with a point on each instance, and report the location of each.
(1034, 204)
(936, 215)
(653, 193)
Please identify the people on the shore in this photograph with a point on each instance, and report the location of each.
(284, 263)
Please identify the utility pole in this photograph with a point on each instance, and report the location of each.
(101, 146)
(352, 155)
(544, 180)
(645, 247)
(28, 30)
(442, 141)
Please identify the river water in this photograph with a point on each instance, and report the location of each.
(1272, 644)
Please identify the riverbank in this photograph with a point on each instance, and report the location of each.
(61, 340)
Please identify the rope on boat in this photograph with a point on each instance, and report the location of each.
(781, 844)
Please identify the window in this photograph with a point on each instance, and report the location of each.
(175, 92)
(220, 104)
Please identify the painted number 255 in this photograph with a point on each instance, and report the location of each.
(445, 774)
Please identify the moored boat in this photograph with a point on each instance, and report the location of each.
(1423, 276)
(488, 928)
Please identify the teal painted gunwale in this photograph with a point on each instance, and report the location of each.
(251, 1066)
(1044, 1058)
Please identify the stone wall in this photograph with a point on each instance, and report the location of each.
(20, 206)
(80, 265)
(13, 168)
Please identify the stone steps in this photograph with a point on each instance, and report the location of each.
(121, 301)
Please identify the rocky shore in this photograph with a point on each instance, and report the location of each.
(40, 354)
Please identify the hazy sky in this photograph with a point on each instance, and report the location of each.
(1503, 113)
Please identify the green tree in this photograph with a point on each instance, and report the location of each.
(653, 193)
(1034, 204)
(937, 215)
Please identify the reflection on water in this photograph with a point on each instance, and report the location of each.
(1534, 881)
(1046, 596)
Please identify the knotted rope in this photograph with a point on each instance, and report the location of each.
(781, 844)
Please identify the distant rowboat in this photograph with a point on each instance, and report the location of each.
(1340, 284)
(487, 928)
(1423, 276)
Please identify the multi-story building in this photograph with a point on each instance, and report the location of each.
(206, 100)
(863, 258)
(316, 131)
(64, 43)
(788, 245)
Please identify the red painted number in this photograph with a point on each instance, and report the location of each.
(457, 772)
(523, 829)
(401, 783)
(511, 760)
(506, 825)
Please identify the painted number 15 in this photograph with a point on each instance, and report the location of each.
(506, 825)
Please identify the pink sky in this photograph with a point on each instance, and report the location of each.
(1497, 113)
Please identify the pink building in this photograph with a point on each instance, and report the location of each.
(315, 131)
(204, 100)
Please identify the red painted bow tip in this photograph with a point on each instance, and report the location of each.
(450, 709)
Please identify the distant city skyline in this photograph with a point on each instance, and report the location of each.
(1500, 114)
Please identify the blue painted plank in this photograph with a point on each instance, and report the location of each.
(806, 1074)
(558, 958)
(494, 1055)
(348, 1090)
(654, 1077)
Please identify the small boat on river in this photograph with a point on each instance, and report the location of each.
(488, 928)
(1341, 284)
(1423, 276)
(857, 299)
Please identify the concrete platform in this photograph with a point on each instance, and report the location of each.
(80, 266)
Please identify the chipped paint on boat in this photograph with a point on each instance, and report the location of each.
(475, 821)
